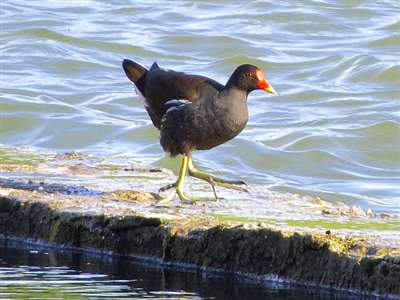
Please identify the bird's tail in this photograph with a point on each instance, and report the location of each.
(136, 73)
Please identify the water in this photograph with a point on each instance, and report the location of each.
(40, 273)
(334, 131)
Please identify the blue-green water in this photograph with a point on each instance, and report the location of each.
(41, 273)
(333, 131)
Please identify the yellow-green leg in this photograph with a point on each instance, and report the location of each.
(178, 185)
(181, 177)
(213, 180)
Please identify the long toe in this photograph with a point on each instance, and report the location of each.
(167, 198)
(235, 186)
(168, 187)
(185, 198)
(220, 180)
(216, 181)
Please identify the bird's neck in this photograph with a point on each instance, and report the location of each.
(233, 103)
(233, 92)
(234, 84)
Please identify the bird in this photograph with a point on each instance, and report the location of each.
(194, 112)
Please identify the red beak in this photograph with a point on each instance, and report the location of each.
(264, 85)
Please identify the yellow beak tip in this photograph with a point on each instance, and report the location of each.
(271, 90)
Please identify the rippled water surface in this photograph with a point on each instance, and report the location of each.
(38, 273)
(333, 131)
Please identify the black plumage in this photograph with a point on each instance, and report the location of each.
(195, 112)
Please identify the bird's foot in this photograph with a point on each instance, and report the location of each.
(217, 181)
(186, 198)
(165, 200)
(168, 187)
(230, 184)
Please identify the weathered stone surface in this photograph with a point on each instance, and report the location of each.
(257, 250)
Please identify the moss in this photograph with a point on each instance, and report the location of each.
(54, 229)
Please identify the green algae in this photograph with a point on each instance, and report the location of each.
(319, 223)
(231, 218)
(54, 231)
(44, 292)
(14, 157)
(353, 224)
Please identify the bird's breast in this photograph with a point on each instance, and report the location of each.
(219, 125)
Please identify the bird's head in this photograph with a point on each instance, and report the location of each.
(249, 78)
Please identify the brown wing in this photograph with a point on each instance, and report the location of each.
(164, 85)
(158, 86)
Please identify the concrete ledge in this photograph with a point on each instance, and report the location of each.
(259, 251)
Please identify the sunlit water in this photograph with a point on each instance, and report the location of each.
(40, 273)
(334, 130)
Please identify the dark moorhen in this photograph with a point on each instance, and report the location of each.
(195, 112)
